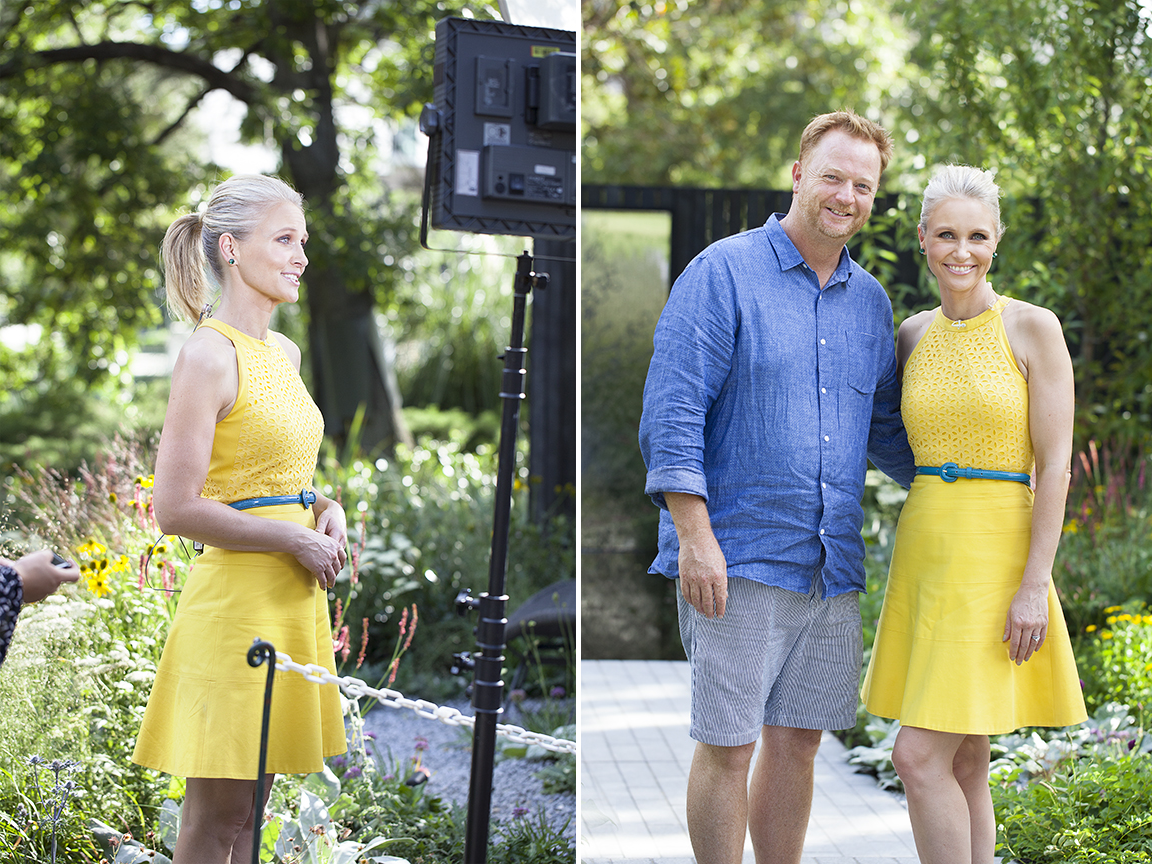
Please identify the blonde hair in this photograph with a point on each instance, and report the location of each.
(961, 181)
(852, 123)
(193, 263)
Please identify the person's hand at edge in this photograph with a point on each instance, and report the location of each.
(39, 576)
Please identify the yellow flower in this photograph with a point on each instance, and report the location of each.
(1111, 619)
(91, 549)
(1112, 609)
(112, 497)
(1091, 628)
(1105, 634)
(146, 482)
(1071, 528)
(98, 584)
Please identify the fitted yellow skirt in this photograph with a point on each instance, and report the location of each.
(205, 709)
(939, 661)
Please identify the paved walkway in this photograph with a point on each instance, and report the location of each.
(635, 753)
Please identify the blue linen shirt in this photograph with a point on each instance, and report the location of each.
(766, 396)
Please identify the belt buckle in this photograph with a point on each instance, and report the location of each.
(949, 472)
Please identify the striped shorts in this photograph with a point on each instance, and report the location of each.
(776, 658)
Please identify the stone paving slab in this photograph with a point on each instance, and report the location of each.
(634, 758)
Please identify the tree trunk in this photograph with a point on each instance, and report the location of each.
(352, 362)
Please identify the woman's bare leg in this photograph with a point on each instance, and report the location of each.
(218, 814)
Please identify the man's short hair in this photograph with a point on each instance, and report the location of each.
(852, 123)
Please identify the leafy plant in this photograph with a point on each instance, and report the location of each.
(1093, 811)
(1105, 559)
(1117, 660)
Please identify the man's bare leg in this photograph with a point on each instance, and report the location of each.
(718, 802)
(780, 798)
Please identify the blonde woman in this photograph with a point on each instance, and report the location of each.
(971, 639)
(234, 471)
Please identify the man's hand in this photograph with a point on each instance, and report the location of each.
(703, 569)
(704, 576)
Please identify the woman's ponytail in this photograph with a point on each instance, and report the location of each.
(185, 279)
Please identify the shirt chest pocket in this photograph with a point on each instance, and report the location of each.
(863, 361)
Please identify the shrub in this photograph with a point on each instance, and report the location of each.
(422, 528)
(1096, 811)
(1116, 660)
(1105, 558)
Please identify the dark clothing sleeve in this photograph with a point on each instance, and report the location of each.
(887, 439)
(11, 599)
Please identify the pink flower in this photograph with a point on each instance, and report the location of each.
(363, 643)
(340, 644)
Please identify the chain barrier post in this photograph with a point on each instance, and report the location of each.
(260, 652)
(487, 685)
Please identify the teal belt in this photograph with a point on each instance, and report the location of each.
(305, 499)
(950, 472)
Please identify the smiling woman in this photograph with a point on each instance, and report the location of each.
(240, 426)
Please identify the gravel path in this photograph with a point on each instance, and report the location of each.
(448, 758)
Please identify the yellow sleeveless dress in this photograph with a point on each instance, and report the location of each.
(204, 713)
(938, 661)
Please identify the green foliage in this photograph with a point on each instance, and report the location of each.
(625, 612)
(1054, 96)
(1105, 559)
(98, 153)
(1116, 661)
(530, 841)
(1089, 812)
(86, 656)
(40, 827)
(678, 93)
(425, 534)
(451, 321)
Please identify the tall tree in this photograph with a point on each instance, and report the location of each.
(95, 96)
(1054, 95)
(716, 93)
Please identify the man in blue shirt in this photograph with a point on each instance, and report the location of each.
(772, 382)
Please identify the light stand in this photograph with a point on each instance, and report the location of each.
(487, 686)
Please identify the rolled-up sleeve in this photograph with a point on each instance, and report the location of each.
(691, 361)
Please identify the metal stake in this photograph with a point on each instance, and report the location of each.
(259, 652)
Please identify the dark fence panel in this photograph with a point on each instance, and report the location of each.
(699, 216)
(702, 216)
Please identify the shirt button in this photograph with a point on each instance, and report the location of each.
(825, 437)
(822, 342)
(823, 389)
(821, 532)
(823, 485)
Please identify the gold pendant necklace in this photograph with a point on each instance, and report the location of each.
(960, 325)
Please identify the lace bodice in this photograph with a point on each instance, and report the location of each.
(964, 399)
(268, 443)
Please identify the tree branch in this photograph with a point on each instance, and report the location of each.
(213, 76)
(175, 124)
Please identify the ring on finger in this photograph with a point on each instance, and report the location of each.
(1035, 637)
